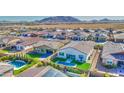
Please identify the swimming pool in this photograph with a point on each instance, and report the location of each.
(46, 55)
(67, 63)
(17, 64)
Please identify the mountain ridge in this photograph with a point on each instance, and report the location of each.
(59, 19)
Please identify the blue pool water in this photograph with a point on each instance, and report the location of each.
(46, 55)
(66, 63)
(17, 63)
(42, 55)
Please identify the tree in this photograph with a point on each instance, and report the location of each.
(39, 64)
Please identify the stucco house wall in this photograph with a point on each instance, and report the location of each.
(72, 51)
(21, 47)
(109, 61)
(43, 49)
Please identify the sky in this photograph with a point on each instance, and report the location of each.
(32, 18)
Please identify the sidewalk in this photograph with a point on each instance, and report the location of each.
(95, 60)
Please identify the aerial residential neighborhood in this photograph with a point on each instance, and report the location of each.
(62, 47)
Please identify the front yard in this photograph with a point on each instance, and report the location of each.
(83, 66)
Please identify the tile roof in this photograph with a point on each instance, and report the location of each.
(31, 72)
(52, 44)
(112, 48)
(83, 46)
(7, 39)
(52, 72)
(29, 41)
(42, 72)
(5, 67)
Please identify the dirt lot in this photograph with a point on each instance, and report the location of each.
(115, 26)
(91, 26)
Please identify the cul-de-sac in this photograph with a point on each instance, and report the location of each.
(61, 46)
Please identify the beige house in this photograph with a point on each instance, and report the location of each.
(47, 46)
(113, 54)
(6, 70)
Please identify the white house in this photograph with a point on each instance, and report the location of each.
(23, 46)
(79, 51)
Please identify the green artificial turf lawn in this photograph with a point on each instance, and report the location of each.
(4, 51)
(34, 56)
(84, 66)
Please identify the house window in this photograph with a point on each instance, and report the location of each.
(109, 62)
(61, 53)
(21, 48)
(70, 56)
(81, 57)
(1, 75)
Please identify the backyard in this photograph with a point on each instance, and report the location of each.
(34, 56)
(29, 59)
(37, 56)
(35, 60)
(83, 66)
(4, 51)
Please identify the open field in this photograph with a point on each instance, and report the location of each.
(119, 26)
(88, 25)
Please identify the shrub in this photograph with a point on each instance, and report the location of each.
(71, 69)
(110, 66)
(98, 46)
(58, 67)
(106, 75)
(44, 64)
(39, 64)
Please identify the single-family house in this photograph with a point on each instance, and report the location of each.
(49, 35)
(27, 43)
(99, 37)
(43, 33)
(79, 51)
(9, 41)
(113, 53)
(6, 70)
(78, 36)
(46, 46)
(28, 34)
(119, 37)
(60, 35)
(2, 44)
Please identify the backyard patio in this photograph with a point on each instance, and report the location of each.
(83, 66)
(38, 56)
